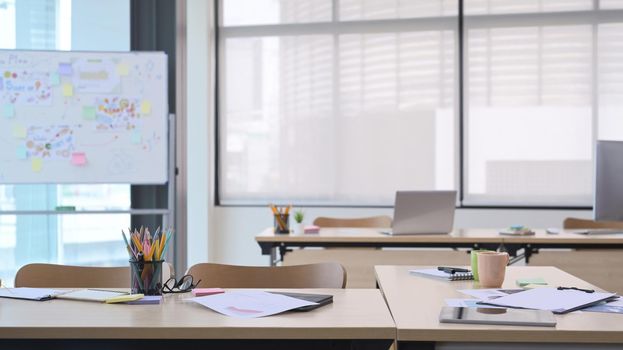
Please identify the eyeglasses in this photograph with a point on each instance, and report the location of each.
(185, 284)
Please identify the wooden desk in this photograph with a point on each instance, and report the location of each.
(474, 238)
(415, 302)
(357, 318)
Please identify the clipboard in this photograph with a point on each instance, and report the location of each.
(551, 299)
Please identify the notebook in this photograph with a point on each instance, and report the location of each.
(90, 295)
(509, 317)
(457, 276)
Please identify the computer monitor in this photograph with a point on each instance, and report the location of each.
(608, 198)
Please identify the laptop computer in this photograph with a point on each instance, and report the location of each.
(423, 212)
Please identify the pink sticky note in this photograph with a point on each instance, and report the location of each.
(78, 158)
(199, 292)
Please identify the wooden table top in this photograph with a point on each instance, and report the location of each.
(415, 302)
(471, 235)
(354, 314)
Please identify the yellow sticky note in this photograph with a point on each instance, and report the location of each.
(68, 90)
(19, 131)
(145, 107)
(36, 164)
(123, 69)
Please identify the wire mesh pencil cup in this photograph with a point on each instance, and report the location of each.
(146, 277)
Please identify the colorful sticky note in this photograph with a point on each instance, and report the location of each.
(136, 137)
(8, 110)
(36, 164)
(88, 112)
(21, 152)
(145, 107)
(68, 90)
(55, 79)
(123, 69)
(19, 131)
(78, 158)
(65, 69)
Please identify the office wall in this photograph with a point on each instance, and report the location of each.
(226, 234)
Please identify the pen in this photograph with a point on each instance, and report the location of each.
(451, 270)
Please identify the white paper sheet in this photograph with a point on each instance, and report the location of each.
(28, 293)
(467, 303)
(250, 304)
(487, 294)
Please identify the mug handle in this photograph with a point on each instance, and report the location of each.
(507, 258)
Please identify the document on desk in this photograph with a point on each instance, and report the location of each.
(552, 299)
(250, 304)
(491, 293)
(614, 307)
(38, 294)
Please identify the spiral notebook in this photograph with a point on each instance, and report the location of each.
(457, 276)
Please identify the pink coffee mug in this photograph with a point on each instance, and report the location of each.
(492, 268)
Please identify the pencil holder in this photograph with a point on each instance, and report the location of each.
(282, 223)
(146, 277)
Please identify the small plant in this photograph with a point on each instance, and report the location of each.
(299, 216)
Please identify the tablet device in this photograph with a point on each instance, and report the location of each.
(509, 317)
(319, 299)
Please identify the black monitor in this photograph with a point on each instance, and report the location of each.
(608, 198)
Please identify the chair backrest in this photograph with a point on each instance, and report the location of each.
(66, 276)
(575, 223)
(373, 221)
(320, 275)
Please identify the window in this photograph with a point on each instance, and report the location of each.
(536, 100)
(27, 232)
(330, 104)
(343, 102)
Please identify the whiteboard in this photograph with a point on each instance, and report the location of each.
(83, 117)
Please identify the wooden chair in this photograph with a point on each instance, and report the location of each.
(591, 265)
(66, 276)
(322, 275)
(575, 223)
(373, 221)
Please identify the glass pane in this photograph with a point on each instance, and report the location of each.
(529, 125)
(77, 238)
(304, 122)
(610, 81)
(255, 12)
(64, 239)
(483, 7)
(610, 4)
(356, 10)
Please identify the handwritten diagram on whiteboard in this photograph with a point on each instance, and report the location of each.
(83, 117)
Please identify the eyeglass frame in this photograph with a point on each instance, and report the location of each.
(171, 290)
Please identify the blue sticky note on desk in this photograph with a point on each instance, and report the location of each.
(147, 300)
(8, 110)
